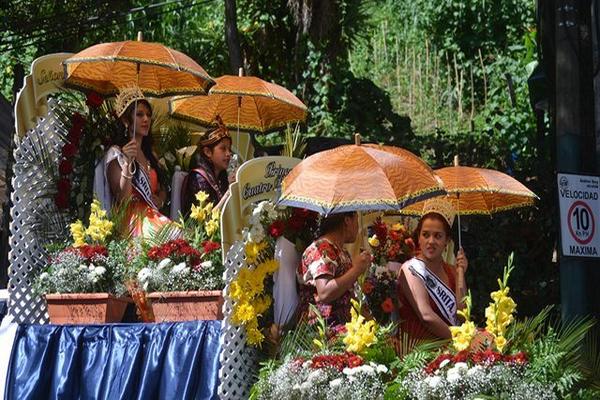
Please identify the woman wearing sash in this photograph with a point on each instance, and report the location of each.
(327, 273)
(209, 168)
(132, 170)
(426, 284)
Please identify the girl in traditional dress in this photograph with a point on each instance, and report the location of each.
(327, 273)
(209, 168)
(132, 170)
(426, 284)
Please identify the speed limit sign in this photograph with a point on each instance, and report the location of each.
(579, 210)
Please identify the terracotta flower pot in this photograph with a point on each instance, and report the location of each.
(187, 306)
(85, 308)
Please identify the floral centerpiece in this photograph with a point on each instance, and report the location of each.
(92, 263)
(192, 263)
(343, 362)
(379, 288)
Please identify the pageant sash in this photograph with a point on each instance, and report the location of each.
(443, 297)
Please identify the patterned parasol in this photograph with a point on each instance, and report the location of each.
(243, 102)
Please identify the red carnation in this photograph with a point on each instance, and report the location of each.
(69, 150)
(276, 228)
(435, 364)
(387, 306)
(210, 246)
(63, 185)
(62, 200)
(90, 251)
(93, 99)
(461, 356)
(65, 167)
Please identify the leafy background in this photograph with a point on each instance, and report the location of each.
(439, 78)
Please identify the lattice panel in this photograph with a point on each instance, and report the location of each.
(34, 214)
(238, 361)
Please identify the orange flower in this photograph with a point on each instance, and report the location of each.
(367, 287)
(388, 305)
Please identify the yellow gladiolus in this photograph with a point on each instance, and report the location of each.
(197, 213)
(201, 196)
(462, 335)
(78, 233)
(360, 334)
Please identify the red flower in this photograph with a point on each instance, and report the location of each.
(486, 357)
(62, 200)
(91, 251)
(410, 243)
(388, 305)
(337, 361)
(63, 185)
(69, 150)
(65, 167)
(276, 228)
(435, 364)
(519, 358)
(93, 99)
(78, 120)
(461, 356)
(209, 246)
(367, 287)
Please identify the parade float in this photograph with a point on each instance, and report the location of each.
(215, 306)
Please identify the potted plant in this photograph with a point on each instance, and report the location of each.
(82, 282)
(184, 276)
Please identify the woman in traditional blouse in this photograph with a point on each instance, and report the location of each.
(327, 273)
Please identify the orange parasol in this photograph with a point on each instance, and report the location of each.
(158, 70)
(359, 178)
(242, 102)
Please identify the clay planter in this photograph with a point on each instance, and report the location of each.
(85, 308)
(187, 306)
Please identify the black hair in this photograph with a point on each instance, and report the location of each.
(147, 141)
(431, 215)
(333, 222)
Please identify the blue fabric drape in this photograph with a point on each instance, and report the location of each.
(117, 361)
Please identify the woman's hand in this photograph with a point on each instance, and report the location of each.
(461, 260)
(130, 150)
(362, 261)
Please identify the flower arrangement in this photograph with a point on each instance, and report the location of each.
(192, 262)
(379, 288)
(345, 361)
(390, 242)
(90, 264)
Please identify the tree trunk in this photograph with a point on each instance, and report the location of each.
(231, 36)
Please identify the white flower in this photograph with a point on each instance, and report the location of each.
(444, 363)
(206, 264)
(474, 370)
(91, 267)
(144, 274)
(180, 268)
(82, 267)
(433, 381)
(461, 366)
(306, 364)
(99, 271)
(335, 383)
(163, 263)
(44, 275)
(382, 369)
(380, 271)
(348, 371)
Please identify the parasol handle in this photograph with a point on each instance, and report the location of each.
(357, 139)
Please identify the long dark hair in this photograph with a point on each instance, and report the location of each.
(147, 141)
(436, 216)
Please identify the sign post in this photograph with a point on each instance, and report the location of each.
(579, 201)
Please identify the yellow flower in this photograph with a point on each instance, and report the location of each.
(197, 213)
(462, 335)
(252, 251)
(244, 312)
(500, 342)
(374, 241)
(78, 233)
(201, 196)
(211, 227)
(360, 334)
(261, 304)
(397, 227)
(255, 336)
(208, 208)
(235, 291)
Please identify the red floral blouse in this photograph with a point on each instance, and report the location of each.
(324, 258)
